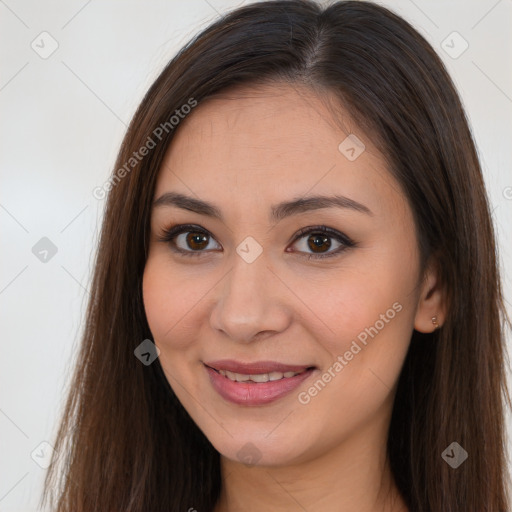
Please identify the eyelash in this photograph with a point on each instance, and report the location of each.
(168, 235)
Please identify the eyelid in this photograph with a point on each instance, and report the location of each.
(168, 235)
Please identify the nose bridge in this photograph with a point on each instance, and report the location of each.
(248, 302)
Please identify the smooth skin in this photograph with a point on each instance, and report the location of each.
(245, 151)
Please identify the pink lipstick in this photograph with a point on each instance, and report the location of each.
(255, 383)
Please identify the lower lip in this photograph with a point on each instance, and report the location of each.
(255, 393)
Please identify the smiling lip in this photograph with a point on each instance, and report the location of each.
(256, 367)
(255, 393)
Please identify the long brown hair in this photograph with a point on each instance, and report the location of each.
(125, 443)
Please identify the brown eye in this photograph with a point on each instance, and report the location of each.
(193, 241)
(189, 240)
(319, 242)
(313, 242)
(196, 241)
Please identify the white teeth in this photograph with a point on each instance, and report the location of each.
(261, 377)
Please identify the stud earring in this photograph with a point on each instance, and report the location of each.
(434, 321)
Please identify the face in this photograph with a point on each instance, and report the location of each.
(277, 313)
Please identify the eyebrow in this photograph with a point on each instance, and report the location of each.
(278, 211)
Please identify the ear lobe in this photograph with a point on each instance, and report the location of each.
(431, 309)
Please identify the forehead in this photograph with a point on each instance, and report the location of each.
(271, 141)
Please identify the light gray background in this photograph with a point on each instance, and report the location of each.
(62, 120)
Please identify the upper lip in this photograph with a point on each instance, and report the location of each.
(256, 367)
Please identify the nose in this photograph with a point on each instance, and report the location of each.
(251, 302)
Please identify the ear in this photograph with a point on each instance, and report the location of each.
(431, 309)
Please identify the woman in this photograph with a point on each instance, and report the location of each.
(296, 303)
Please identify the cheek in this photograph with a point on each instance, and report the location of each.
(371, 317)
(168, 299)
(169, 302)
(372, 320)
(369, 345)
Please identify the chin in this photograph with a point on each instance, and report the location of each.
(260, 449)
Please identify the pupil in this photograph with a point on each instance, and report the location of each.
(197, 238)
(318, 240)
